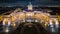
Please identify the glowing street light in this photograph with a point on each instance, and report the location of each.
(51, 24)
(7, 29)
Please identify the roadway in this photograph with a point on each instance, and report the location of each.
(30, 28)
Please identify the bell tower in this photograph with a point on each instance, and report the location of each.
(30, 7)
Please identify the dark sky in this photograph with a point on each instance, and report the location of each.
(25, 2)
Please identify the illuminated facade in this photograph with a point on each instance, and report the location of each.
(19, 15)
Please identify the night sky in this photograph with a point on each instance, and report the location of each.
(25, 2)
